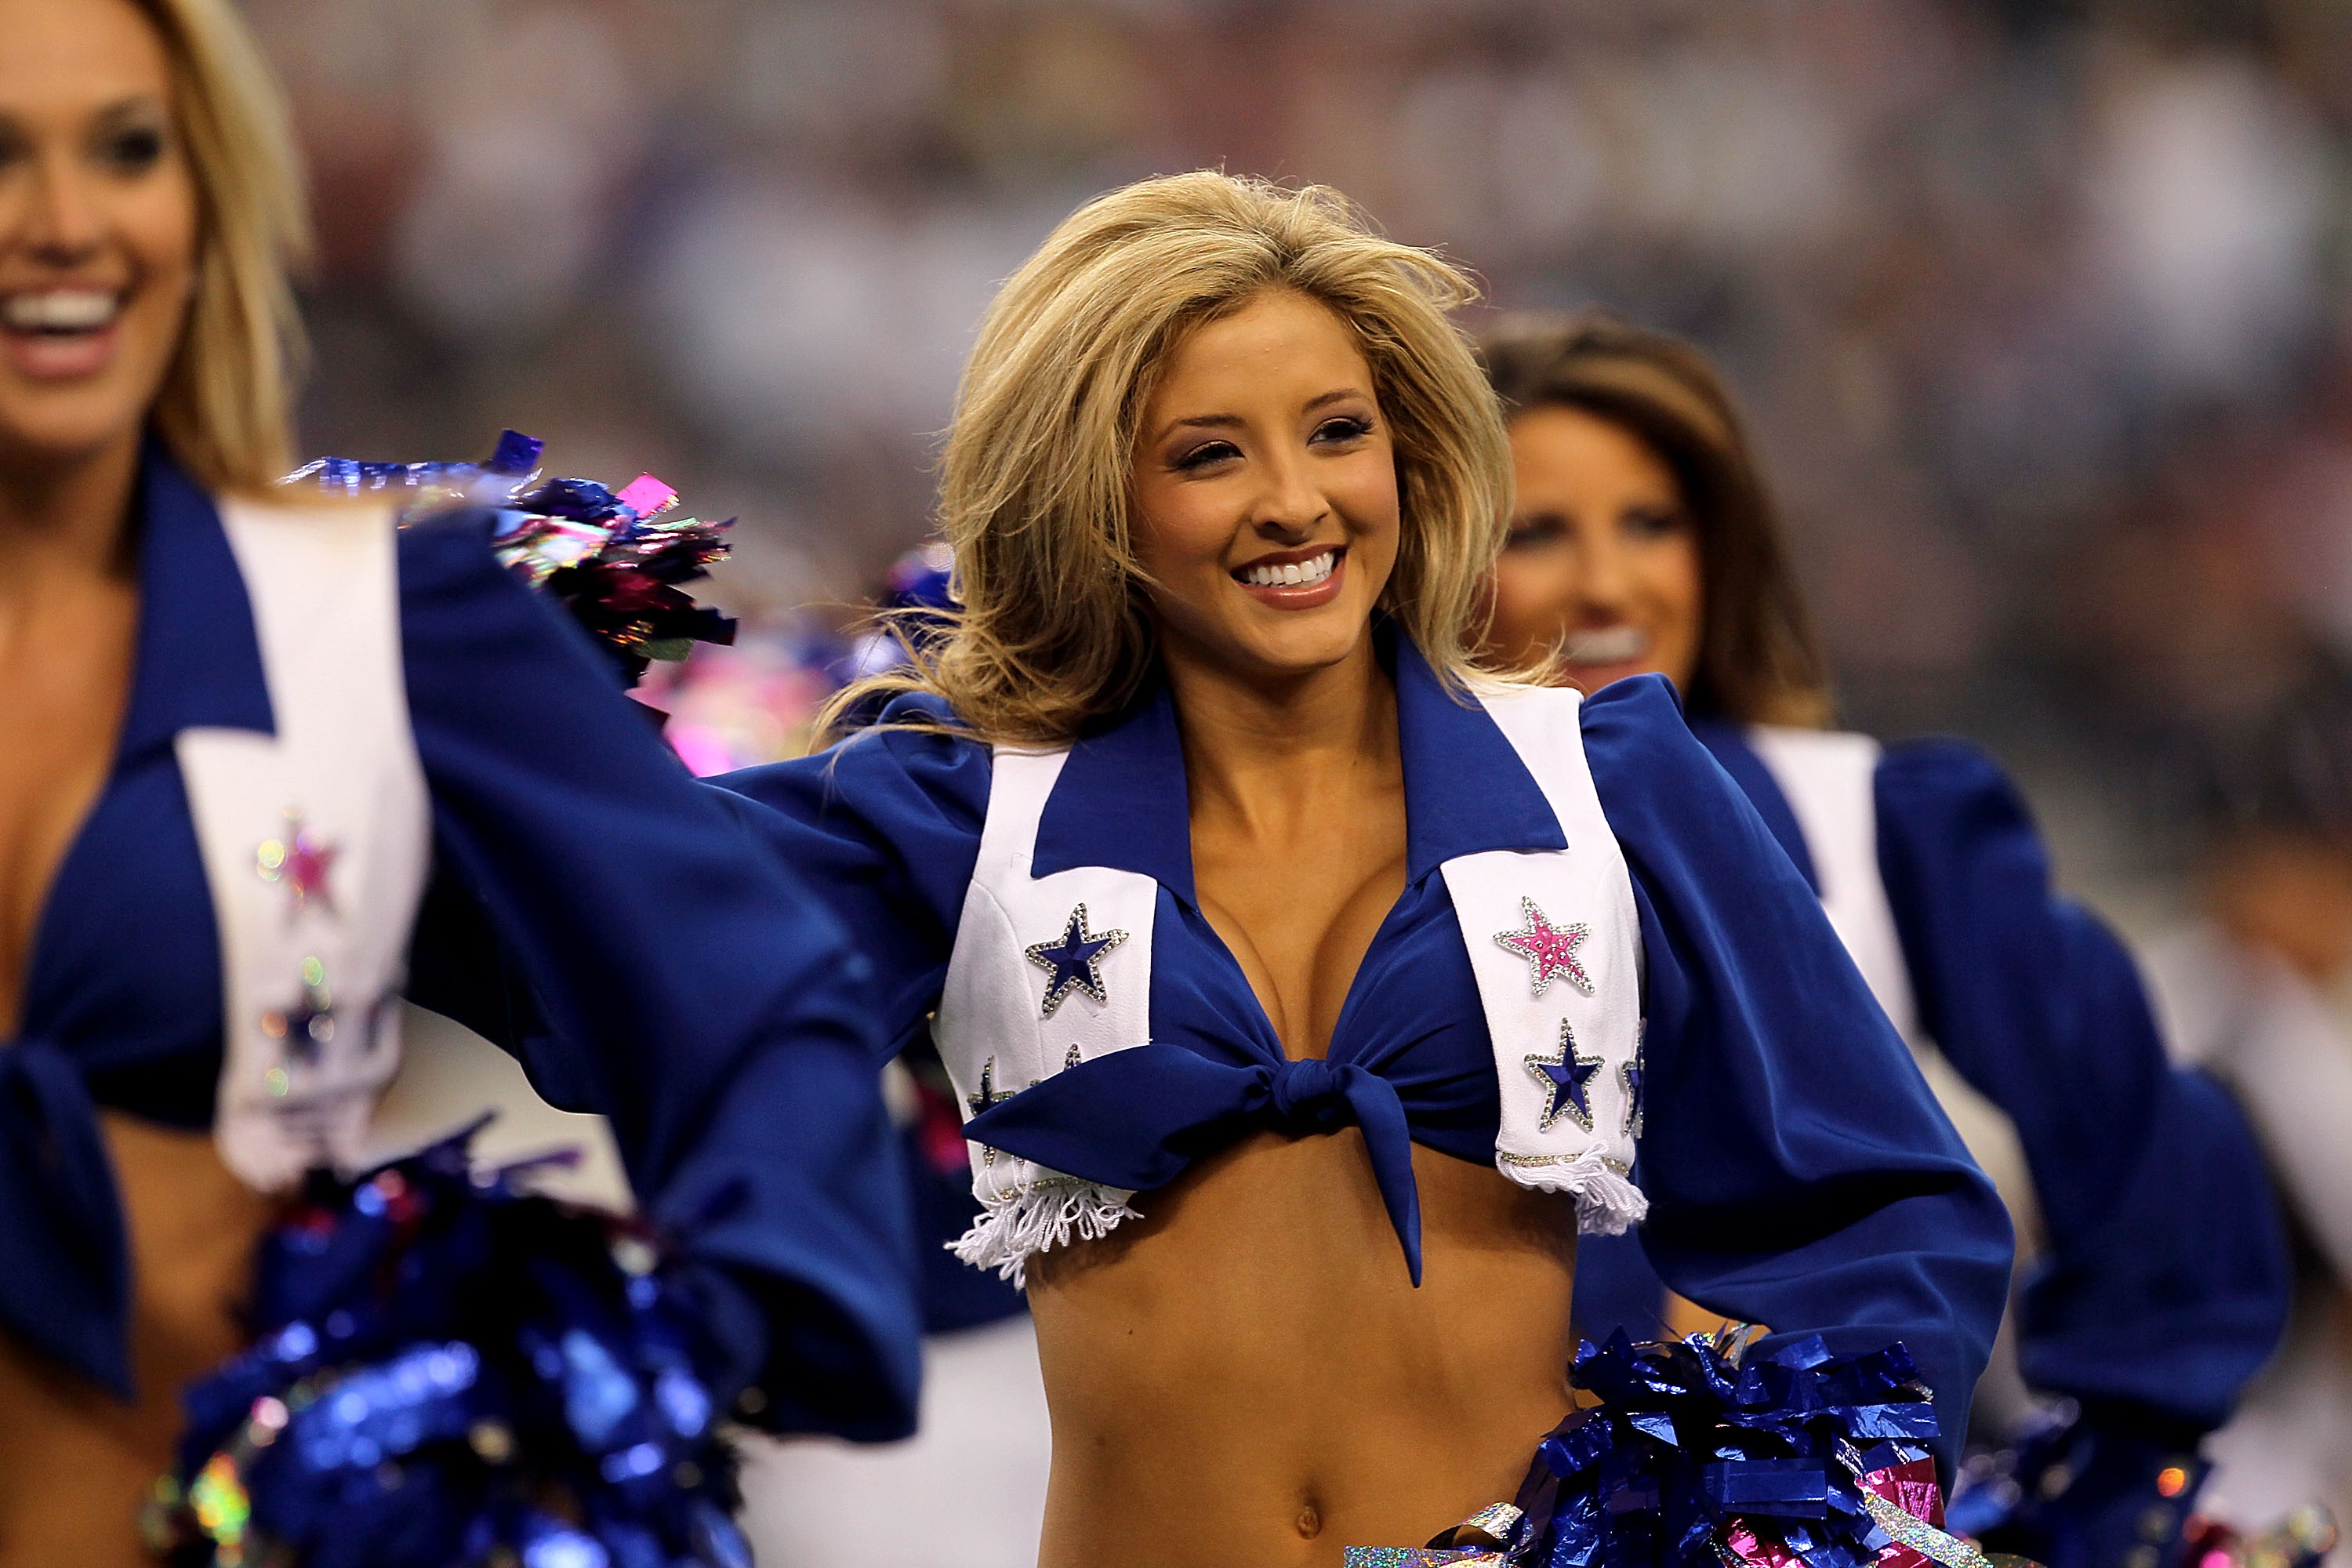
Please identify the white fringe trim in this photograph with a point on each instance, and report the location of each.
(1045, 1214)
(1606, 1201)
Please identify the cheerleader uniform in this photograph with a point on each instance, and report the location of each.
(2164, 1282)
(322, 715)
(1599, 942)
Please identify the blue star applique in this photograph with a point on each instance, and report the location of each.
(1630, 1075)
(1074, 962)
(309, 1023)
(1565, 1076)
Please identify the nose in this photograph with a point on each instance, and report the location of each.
(1603, 584)
(1290, 505)
(58, 219)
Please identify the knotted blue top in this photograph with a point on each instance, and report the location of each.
(572, 848)
(1798, 1171)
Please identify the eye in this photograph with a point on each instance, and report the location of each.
(1534, 532)
(1653, 521)
(133, 150)
(1339, 432)
(1206, 454)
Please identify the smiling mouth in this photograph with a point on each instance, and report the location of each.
(1608, 645)
(1289, 573)
(60, 312)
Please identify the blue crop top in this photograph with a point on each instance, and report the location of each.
(584, 876)
(1798, 1171)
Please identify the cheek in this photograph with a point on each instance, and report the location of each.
(1176, 531)
(1680, 588)
(163, 225)
(1530, 593)
(1370, 495)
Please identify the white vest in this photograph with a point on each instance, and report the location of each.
(1552, 937)
(1831, 783)
(315, 841)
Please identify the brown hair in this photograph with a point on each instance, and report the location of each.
(1050, 628)
(1758, 661)
(225, 407)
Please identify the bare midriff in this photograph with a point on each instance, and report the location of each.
(1247, 1375)
(75, 1460)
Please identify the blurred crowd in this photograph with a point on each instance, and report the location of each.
(2040, 308)
(2043, 311)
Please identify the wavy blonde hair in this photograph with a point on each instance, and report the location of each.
(225, 407)
(1051, 627)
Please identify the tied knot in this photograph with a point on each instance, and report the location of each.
(1311, 1095)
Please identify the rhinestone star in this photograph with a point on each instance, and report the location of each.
(1074, 962)
(980, 1099)
(309, 1023)
(1630, 1075)
(1550, 949)
(987, 1094)
(300, 862)
(1565, 1076)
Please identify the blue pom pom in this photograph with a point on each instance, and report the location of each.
(439, 1354)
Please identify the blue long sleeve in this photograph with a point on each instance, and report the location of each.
(2167, 1282)
(889, 824)
(1799, 1171)
(591, 893)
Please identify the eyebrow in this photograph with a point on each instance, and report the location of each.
(1234, 421)
(138, 106)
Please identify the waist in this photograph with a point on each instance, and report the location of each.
(1245, 1375)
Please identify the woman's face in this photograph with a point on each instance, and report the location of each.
(1602, 559)
(98, 226)
(1266, 491)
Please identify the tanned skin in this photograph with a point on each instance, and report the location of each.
(96, 199)
(1247, 1374)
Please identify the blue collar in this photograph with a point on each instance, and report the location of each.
(1121, 800)
(199, 659)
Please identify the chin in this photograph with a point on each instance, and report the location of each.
(67, 425)
(1330, 639)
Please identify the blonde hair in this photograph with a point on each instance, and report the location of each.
(1050, 628)
(225, 407)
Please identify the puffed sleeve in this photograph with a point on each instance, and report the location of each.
(1799, 1171)
(590, 892)
(887, 826)
(2166, 1283)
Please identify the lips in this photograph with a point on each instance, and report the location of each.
(1294, 579)
(1605, 645)
(60, 333)
(1291, 574)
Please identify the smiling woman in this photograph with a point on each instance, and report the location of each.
(1310, 984)
(235, 735)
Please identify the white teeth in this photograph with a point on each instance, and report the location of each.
(1291, 574)
(1609, 645)
(59, 311)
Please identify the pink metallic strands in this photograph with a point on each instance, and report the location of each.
(1549, 950)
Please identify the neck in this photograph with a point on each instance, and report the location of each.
(66, 518)
(1268, 752)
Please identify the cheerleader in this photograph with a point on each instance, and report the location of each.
(1307, 986)
(238, 736)
(1643, 543)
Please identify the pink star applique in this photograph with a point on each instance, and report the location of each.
(1549, 950)
(300, 862)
